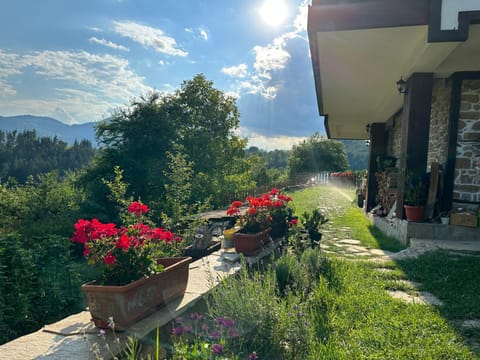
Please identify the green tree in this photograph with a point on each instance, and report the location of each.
(317, 154)
(139, 138)
(23, 154)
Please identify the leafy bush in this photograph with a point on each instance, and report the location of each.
(39, 283)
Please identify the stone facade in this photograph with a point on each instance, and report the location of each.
(467, 164)
(439, 115)
(395, 135)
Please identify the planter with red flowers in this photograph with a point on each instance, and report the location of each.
(137, 266)
(264, 213)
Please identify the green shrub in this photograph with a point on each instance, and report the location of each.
(40, 283)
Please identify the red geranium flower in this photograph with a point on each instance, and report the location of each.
(109, 259)
(137, 208)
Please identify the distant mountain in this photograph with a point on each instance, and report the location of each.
(49, 127)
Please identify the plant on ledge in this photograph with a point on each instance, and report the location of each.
(126, 253)
(254, 219)
(416, 188)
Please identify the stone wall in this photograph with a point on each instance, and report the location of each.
(467, 165)
(395, 135)
(439, 115)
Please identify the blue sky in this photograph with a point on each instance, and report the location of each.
(77, 60)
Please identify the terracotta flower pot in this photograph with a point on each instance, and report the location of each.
(129, 303)
(414, 213)
(251, 244)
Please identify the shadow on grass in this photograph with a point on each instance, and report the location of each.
(455, 280)
(385, 242)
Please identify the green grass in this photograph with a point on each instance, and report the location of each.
(344, 213)
(453, 279)
(365, 323)
(364, 231)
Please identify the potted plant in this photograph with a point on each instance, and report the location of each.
(254, 224)
(312, 224)
(444, 217)
(137, 270)
(416, 188)
(280, 211)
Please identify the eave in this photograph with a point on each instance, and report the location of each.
(359, 51)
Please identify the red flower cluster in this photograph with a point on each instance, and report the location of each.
(261, 210)
(137, 208)
(343, 174)
(121, 249)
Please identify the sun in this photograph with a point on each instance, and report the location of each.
(273, 12)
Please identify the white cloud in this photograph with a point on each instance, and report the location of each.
(107, 43)
(8, 67)
(202, 32)
(239, 71)
(90, 85)
(95, 29)
(149, 36)
(268, 59)
(300, 21)
(269, 142)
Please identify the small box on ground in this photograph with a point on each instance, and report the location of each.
(464, 219)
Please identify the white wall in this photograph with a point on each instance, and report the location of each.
(451, 8)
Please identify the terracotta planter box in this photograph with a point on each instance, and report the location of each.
(251, 244)
(129, 303)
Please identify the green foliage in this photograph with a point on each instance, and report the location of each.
(178, 189)
(39, 283)
(416, 189)
(315, 155)
(357, 154)
(23, 154)
(144, 140)
(46, 204)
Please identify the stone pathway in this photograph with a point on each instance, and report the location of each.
(340, 242)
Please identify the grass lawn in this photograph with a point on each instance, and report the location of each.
(344, 213)
(366, 323)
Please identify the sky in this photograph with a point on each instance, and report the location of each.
(76, 61)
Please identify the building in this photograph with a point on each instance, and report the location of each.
(363, 50)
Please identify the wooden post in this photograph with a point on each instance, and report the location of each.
(415, 131)
(377, 148)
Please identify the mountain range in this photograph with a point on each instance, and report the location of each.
(49, 127)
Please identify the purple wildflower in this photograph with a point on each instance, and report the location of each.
(225, 322)
(253, 356)
(215, 334)
(217, 349)
(179, 320)
(177, 330)
(196, 316)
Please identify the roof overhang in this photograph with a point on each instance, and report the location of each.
(360, 50)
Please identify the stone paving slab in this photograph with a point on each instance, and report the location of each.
(422, 298)
(472, 324)
(350, 241)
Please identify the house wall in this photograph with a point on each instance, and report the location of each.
(439, 115)
(467, 165)
(395, 136)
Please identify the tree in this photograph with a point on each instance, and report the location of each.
(317, 154)
(139, 138)
(205, 119)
